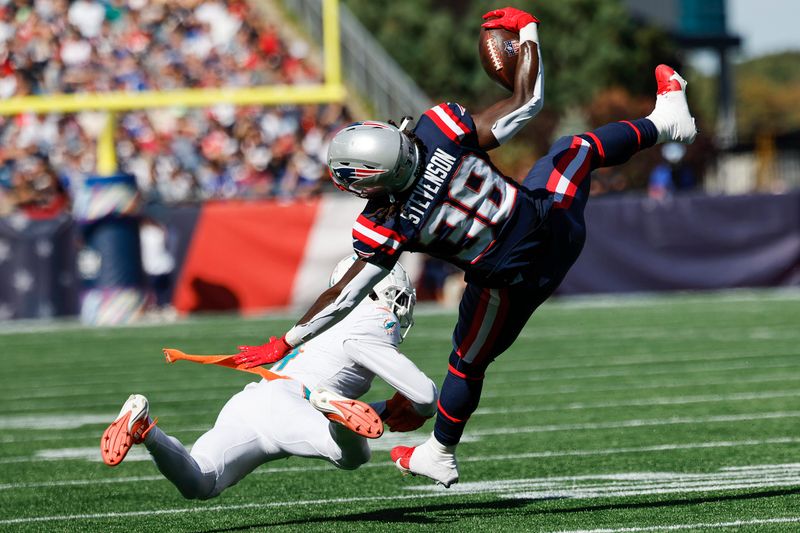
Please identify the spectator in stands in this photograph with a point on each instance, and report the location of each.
(671, 174)
(158, 264)
(56, 46)
(36, 190)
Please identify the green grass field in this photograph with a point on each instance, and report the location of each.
(645, 414)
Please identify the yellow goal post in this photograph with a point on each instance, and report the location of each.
(330, 91)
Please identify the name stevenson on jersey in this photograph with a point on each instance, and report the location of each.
(428, 187)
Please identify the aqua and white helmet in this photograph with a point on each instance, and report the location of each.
(395, 291)
(371, 159)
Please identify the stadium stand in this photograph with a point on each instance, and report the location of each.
(177, 155)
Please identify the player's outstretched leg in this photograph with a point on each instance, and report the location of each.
(355, 415)
(571, 159)
(130, 427)
(671, 115)
(430, 459)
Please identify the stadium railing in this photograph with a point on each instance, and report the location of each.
(369, 69)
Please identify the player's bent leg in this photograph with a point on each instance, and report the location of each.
(569, 162)
(353, 448)
(489, 321)
(179, 467)
(301, 430)
(222, 456)
(229, 452)
(240, 440)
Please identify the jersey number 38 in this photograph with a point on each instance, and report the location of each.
(478, 202)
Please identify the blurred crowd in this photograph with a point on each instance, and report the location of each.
(58, 46)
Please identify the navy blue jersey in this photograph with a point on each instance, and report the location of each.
(462, 209)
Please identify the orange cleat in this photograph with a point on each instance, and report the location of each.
(355, 415)
(131, 427)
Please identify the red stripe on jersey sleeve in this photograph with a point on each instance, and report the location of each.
(386, 232)
(447, 130)
(455, 118)
(372, 243)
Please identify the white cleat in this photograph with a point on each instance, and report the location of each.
(430, 459)
(355, 415)
(671, 115)
(130, 427)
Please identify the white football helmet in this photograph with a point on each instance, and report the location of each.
(395, 291)
(371, 159)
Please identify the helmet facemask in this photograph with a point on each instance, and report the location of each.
(395, 292)
(400, 299)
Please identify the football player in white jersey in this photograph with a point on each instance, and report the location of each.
(274, 419)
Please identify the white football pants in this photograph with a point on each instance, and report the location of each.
(268, 420)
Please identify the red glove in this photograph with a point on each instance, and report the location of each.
(270, 352)
(401, 414)
(508, 18)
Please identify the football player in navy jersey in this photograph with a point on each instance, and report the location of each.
(435, 190)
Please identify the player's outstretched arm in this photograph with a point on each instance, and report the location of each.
(336, 303)
(331, 306)
(503, 120)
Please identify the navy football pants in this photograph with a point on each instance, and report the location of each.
(491, 319)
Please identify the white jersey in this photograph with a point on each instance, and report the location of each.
(350, 354)
(271, 420)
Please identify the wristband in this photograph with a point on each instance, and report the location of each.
(530, 33)
(292, 338)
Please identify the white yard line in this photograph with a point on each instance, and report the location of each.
(644, 402)
(181, 391)
(572, 487)
(533, 377)
(572, 389)
(631, 423)
(515, 430)
(631, 449)
(73, 420)
(214, 508)
(695, 526)
(53, 421)
(544, 454)
(637, 300)
(620, 301)
(630, 359)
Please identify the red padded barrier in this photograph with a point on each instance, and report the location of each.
(244, 256)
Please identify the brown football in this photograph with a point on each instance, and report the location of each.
(499, 51)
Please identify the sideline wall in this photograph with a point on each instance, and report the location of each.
(252, 256)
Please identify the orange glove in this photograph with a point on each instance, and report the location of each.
(401, 414)
(508, 18)
(273, 351)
